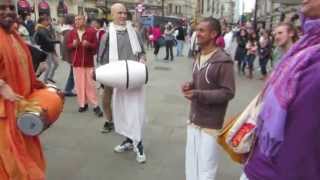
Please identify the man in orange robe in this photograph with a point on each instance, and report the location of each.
(21, 157)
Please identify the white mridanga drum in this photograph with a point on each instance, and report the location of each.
(124, 74)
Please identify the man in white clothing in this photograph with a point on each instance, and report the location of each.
(128, 109)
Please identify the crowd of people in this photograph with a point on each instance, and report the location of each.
(287, 125)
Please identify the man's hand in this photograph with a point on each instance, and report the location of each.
(187, 91)
(7, 93)
(189, 94)
(186, 86)
(85, 43)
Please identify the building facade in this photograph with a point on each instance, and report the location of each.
(271, 12)
(221, 9)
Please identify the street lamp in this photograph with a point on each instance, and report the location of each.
(255, 16)
(162, 7)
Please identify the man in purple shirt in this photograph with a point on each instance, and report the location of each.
(288, 131)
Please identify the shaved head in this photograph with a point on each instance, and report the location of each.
(119, 14)
(8, 14)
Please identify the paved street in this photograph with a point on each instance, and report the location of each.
(76, 150)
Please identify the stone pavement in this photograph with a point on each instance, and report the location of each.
(76, 150)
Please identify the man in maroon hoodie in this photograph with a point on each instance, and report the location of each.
(83, 44)
(211, 89)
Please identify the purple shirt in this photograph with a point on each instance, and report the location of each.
(299, 155)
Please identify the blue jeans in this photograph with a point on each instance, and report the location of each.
(70, 82)
(179, 47)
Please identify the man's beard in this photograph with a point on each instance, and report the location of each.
(7, 21)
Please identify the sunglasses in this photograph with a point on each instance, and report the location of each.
(5, 7)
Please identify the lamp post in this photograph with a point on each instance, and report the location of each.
(255, 16)
(162, 7)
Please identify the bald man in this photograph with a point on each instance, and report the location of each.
(21, 156)
(128, 106)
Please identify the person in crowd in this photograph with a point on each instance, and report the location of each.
(169, 40)
(82, 41)
(181, 37)
(287, 134)
(21, 156)
(241, 51)
(211, 89)
(66, 53)
(285, 35)
(228, 39)
(97, 24)
(45, 40)
(156, 33)
(128, 105)
(264, 53)
(251, 48)
(29, 24)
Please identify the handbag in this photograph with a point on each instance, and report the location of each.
(161, 42)
(241, 135)
(221, 140)
(237, 137)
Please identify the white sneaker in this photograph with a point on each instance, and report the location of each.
(123, 147)
(140, 155)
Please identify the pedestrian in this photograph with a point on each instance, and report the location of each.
(44, 38)
(240, 56)
(83, 44)
(228, 39)
(29, 24)
(264, 53)
(66, 28)
(181, 37)
(21, 157)
(156, 33)
(287, 136)
(212, 87)
(169, 40)
(128, 105)
(251, 48)
(97, 24)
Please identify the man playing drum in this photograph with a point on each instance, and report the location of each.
(128, 105)
(21, 157)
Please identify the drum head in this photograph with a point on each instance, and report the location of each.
(30, 124)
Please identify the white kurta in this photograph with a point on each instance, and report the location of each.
(129, 113)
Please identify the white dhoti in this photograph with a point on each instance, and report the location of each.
(129, 113)
(201, 155)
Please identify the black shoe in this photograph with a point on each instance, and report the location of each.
(83, 109)
(69, 94)
(97, 111)
(166, 59)
(107, 127)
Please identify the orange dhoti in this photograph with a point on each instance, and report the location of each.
(21, 157)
